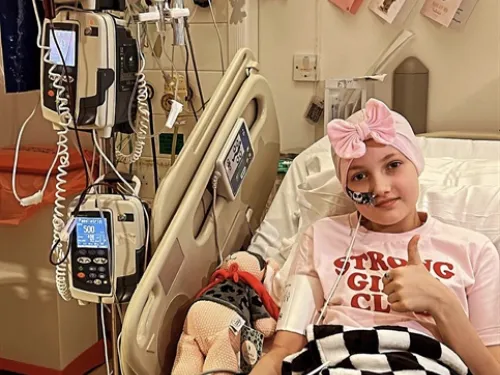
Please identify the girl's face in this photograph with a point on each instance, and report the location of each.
(386, 172)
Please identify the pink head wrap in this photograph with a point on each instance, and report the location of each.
(375, 122)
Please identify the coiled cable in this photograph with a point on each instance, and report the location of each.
(143, 110)
(59, 207)
(63, 155)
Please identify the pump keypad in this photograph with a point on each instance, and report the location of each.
(91, 270)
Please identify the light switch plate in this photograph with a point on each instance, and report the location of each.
(305, 67)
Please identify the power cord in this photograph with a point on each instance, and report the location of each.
(335, 285)
(218, 36)
(62, 143)
(37, 197)
(153, 143)
(143, 110)
(70, 89)
(223, 371)
(195, 67)
(215, 181)
(66, 119)
(105, 340)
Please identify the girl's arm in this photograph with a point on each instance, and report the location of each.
(459, 334)
(285, 343)
(413, 288)
(302, 295)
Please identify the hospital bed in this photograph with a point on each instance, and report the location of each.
(183, 237)
(182, 229)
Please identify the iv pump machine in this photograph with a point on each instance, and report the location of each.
(107, 247)
(92, 62)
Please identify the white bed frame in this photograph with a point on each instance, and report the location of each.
(182, 225)
(183, 238)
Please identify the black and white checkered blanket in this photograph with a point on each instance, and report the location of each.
(382, 350)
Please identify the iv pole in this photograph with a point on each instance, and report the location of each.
(108, 147)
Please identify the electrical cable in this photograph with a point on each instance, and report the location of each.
(111, 165)
(143, 110)
(189, 89)
(153, 144)
(59, 207)
(218, 36)
(174, 145)
(105, 340)
(193, 57)
(69, 102)
(70, 92)
(319, 368)
(119, 350)
(215, 180)
(335, 285)
(66, 120)
(37, 197)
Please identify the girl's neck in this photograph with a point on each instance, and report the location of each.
(410, 222)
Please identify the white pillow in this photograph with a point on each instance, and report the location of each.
(476, 207)
(459, 148)
(320, 196)
(460, 192)
(456, 172)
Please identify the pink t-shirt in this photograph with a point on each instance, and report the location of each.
(464, 260)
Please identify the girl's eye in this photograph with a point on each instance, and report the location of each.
(394, 164)
(359, 176)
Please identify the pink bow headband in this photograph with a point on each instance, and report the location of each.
(380, 124)
(348, 138)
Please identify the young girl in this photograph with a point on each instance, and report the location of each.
(405, 267)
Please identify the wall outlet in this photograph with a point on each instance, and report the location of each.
(169, 92)
(305, 68)
(143, 169)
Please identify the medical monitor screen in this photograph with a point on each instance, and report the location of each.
(91, 232)
(66, 39)
(235, 156)
(239, 157)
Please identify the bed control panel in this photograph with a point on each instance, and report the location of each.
(234, 161)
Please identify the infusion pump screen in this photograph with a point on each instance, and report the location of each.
(91, 232)
(66, 39)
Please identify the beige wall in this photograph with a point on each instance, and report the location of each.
(206, 48)
(464, 65)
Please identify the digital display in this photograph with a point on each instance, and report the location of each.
(234, 157)
(66, 40)
(91, 232)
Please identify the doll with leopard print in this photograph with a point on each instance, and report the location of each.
(235, 296)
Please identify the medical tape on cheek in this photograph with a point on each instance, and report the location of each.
(302, 297)
(361, 198)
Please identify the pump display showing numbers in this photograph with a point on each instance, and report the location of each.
(66, 45)
(91, 232)
(91, 252)
(239, 157)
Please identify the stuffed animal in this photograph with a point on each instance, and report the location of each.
(235, 297)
